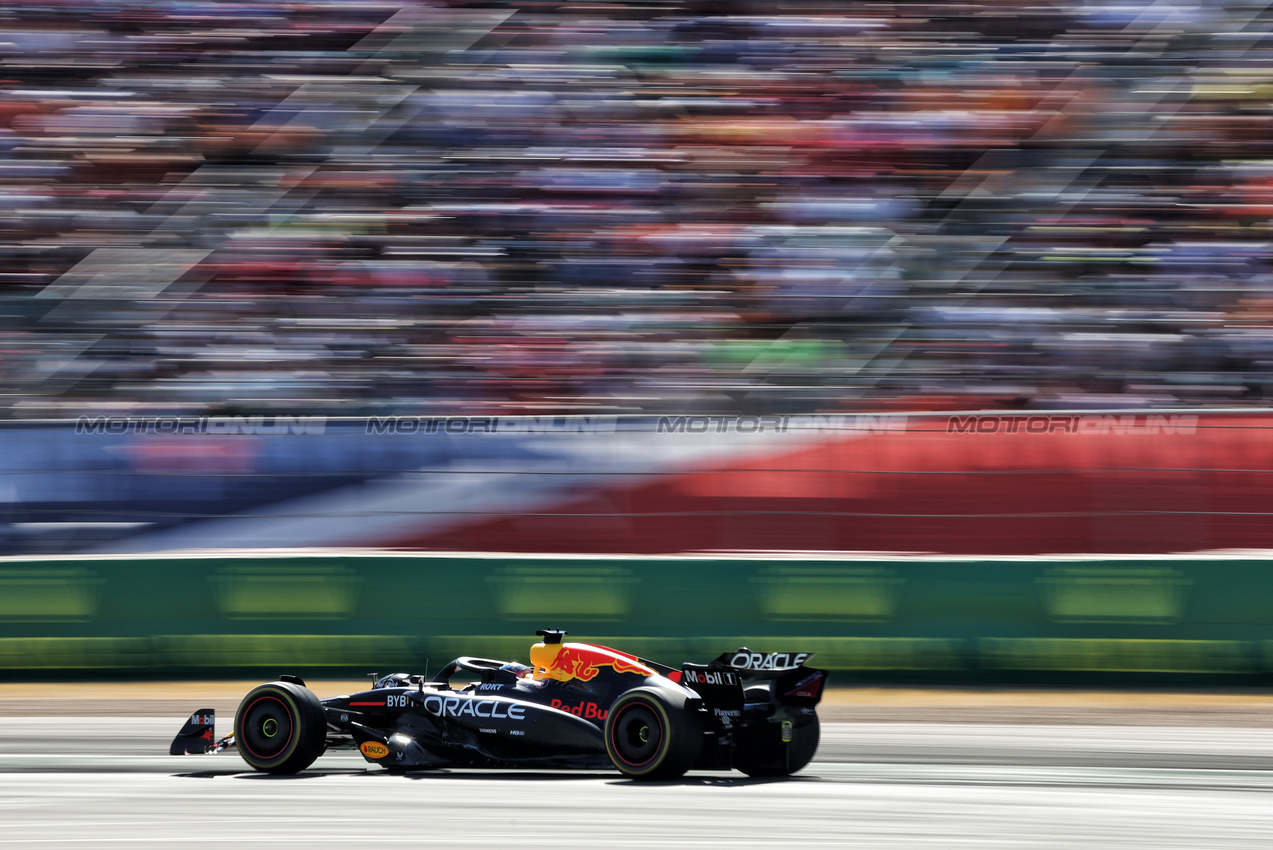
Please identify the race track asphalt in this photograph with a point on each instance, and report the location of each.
(106, 781)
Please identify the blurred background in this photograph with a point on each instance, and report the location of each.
(749, 207)
(662, 278)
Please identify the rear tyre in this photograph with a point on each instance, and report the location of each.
(653, 734)
(280, 728)
(777, 740)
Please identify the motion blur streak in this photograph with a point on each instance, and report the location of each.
(882, 784)
(382, 207)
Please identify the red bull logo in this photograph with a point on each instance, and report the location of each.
(586, 710)
(567, 661)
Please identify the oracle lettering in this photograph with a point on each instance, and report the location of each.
(772, 661)
(456, 707)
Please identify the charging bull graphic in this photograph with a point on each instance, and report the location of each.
(553, 659)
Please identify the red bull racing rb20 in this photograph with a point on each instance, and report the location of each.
(576, 705)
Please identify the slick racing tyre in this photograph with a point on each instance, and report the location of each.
(280, 728)
(653, 734)
(777, 740)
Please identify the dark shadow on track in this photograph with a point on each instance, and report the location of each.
(452, 775)
(692, 781)
(726, 781)
(269, 777)
(476, 773)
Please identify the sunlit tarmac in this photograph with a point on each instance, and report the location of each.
(70, 781)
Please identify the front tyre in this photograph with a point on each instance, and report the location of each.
(653, 734)
(280, 727)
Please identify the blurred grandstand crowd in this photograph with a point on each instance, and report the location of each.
(352, 206)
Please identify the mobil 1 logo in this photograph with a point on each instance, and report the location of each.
(693, 677)
(721, 691)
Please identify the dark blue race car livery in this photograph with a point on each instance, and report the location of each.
(576, 705)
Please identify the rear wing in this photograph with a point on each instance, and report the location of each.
(790, 681)
(761, 665)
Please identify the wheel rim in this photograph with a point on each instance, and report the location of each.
(267, 727)
(637, 734)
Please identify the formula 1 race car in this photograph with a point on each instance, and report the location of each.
(576, 705)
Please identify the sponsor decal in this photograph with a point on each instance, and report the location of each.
(202, 719)
(810, 686)
(586, 710)
(374, 750)
(786, 732)
(397, 701)
(456, 707)
(768, 661)
(575, 661)
(709, 677)
(728, 716)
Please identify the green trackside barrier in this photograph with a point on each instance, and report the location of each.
(918, 618)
